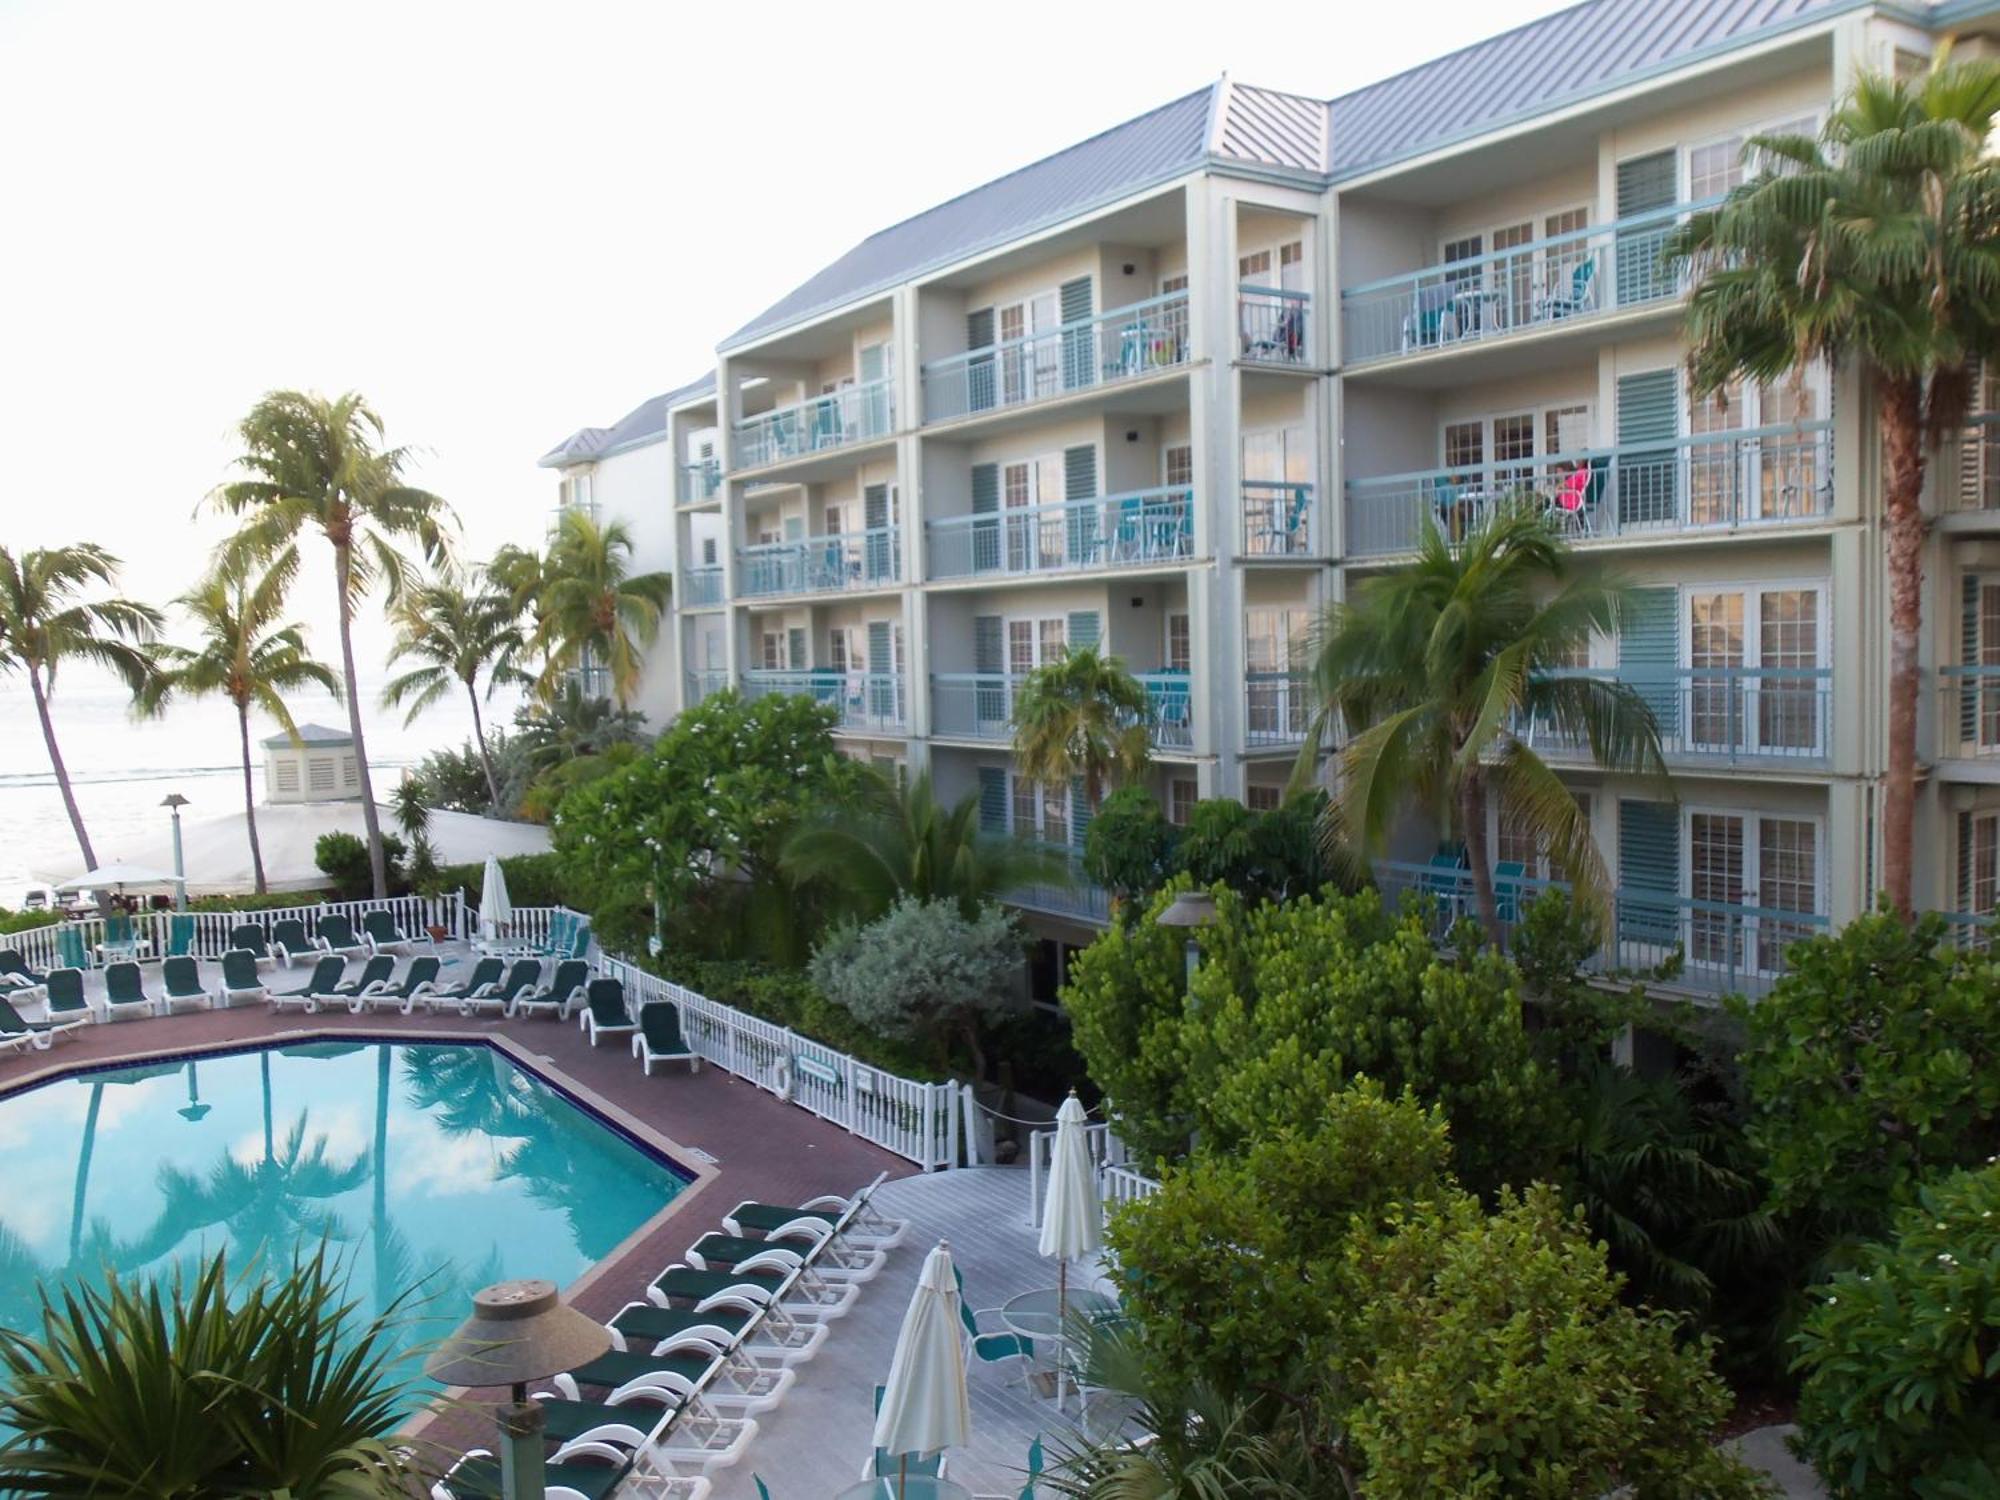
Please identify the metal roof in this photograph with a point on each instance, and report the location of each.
(1274, 129)
(643, 424)
(310, 735)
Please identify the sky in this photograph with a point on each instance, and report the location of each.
(502, 222)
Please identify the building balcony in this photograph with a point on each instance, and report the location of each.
(1148, 528)
(873, 702)
(1278, 521)
(1710, 483)
(980, 706)
(1080, 897)
(704, 684)
(701, 587)
(850, 562)
(1722, 947)
(700, 481)
(1544, 285)
(1771, 716)
(844, 418)
(1125, 344)
(1274, 326)
(1277, 709)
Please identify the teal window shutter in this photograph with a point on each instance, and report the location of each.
(1082, 631)
(986, 502)
(1079, 343)
(1968, 656)
(879, 548)
(1649, 652)
(881, 668)
(979, 369)
(1648, 478)
(1080, 813)
(1965, 861)
(1649, 871)
(1080, 487)
(992, 799)
(1645, 183)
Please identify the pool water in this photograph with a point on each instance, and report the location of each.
(437, 1167)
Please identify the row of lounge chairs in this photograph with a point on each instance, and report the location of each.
(716, 1340)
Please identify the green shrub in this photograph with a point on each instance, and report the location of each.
(1130, 848)
(1902, 1355)
(269, 901)
(532, 880)
(343, 859)
(24, 921)
(788, 997)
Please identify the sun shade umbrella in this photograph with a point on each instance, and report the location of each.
(1072, 1211)
(495, 910)
(923, 1404)
(116, 877)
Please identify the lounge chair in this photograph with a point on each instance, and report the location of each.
(752, 1325)
(289, 941)
(125, 991)
(486, 975)
(250, 938)
(374, 976)
(806, 1237)
(731, 1381)
(699, 1435)
(325, 977)
(70, 952)
(476, 1476)
(659, 1038)
(16, 1032)
(572, 974)
(604, 1012)
(335, 934)
(15, 973)
(418, 981)
(65, 997)
(853, 1218)
(523, 978)
(384, 936)
(180, 935)
(239, 979)
(780, 1276)
(180, 976)
(121, 938)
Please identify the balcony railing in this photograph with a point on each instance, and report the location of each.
(1278, 519)
(854, 414)
(1761, 476)
(1719, 714)
(700, 481)
(705, 684)
(1970, 700)
(1968, 467)
(865, 700)
(1587, 273)
(1123, 344)
(835, 564)
(1112, 531)
(1273, 326)
(703, 587)
(1723, 947)
(1277, 708)
(980, 706)
(1080, 897)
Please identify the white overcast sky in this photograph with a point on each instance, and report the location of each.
(503, 222)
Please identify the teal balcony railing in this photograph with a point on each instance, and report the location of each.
(700, 481)
(831, 564)
(980, 706)
(1564, 279)
(854, 414)
(1273, 325)
(1078, 897)
(705, 683)
(865, 700)
(702, 586)
(1723, 947)
(1113, 531)
(1124, 344)
(1278, 520)
(1277, 708)
(1761, 476)
(1726, 714)
(1970, 699)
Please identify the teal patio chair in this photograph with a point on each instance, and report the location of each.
(659, 1037)
(604, 1012)
(120, 940)
(239, 979)
(991, 1348)
(1579, 297)
(1507, 893)
(66, 999)
(125, 990)
(21, 1035)
(887, 1465)
(180, 935)
(70, 952)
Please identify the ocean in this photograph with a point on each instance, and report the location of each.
(121, 767)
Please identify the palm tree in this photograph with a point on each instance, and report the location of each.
(459, 632)
(900, 841)
(314, 463)
(1880, 242)
(1432, 665)
(520, 573)
(247, 657)
(593, 610)
(571, 725)
(44, 623)
(1082, 717)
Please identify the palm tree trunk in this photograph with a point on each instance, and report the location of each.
(1472, 814)
(84, 1153)
(61, 770)
(250, 796)
(479, 739)
(1903, 547)
(378, 867)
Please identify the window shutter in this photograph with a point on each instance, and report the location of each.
(979, 370)
(992, 799)
(988, 653)
(878, 645)
(1078, 342)
(879, 544)
(1968, 656)
(795, 649)
(1082, 630)
(872, 365)
(1080, 813)
(1079, 486)
(1649, 652)
(1648, 481)
(1649, 871)
(1965, 861)
(1644, 183)
(986, 502)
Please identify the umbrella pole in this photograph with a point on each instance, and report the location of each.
(1062, 1323)
(902, 1473)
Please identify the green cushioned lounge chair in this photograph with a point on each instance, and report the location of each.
(417, 981)
(384, 936)
(289, 941)
(659, 1037)
(15, 973)
(19, 1033)
(65, 996)
(558, 995)
(125, 991)
(604, 1012)
(249, 937)
(317, 989)
(240, 980)
(180, 978)
(486, 976)
(335, 934)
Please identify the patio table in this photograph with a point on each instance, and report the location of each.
(1037, 1316)
(915, 1487)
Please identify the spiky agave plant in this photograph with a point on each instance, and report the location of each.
(205, 1386)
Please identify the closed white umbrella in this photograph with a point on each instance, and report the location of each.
(1072, 1211)
(495, 910)
(923, 1404)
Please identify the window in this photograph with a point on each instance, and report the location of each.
(1739, 641)
(1515, 842)
(1277, 469)
(1569, 221)
(1715, 878)
(1040, 813)
(1275, 708)
(1177, 466)
(1034, 643)
(1464, 445)
(1979, 863)
(1181, 795)
(1178, 282)
(1034, 540)
(836, 649)
(1260, 798)
(1514, 447)
(1715, 168)
(772, 650)
(1749, 860)
(1565, 429)
(795, 649)
(1469, 247)
(1179, 653)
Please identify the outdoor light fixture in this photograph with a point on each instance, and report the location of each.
(174, 802)
(1193, 910)
(519, 1331)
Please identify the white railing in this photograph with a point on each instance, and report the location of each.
(917, 1121)
(1117, 1182)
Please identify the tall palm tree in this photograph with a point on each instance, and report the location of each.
(459, 631)
(571, 725)
(519, 573)
(1432, 665)
(1878, 242)
(45, 622)
(1082, 717)
(900, 841)
(246, 656)
(314, 463)
(594, 610)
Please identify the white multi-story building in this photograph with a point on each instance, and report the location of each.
(1175, 389)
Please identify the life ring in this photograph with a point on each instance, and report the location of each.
(781, 1079)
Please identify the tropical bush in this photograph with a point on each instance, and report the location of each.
(203, 1386)
(788, 997)
(1902, 1359)
(22, 921)
(1129, 846)
(926, 973)
(1132, 850)
(532, 880)
(343, 859)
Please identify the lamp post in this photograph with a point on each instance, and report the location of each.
(175, 802)
(1192, 910)
(519, 1331)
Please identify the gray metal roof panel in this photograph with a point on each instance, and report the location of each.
(643, 424)
(1275, 129)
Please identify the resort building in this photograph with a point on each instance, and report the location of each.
(1174, 390)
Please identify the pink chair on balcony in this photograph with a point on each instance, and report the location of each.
(1572, 501)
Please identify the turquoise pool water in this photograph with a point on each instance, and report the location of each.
(445, 1166)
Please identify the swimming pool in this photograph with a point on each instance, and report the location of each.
(442, 1167)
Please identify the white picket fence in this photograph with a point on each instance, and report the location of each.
(1117, 1182)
